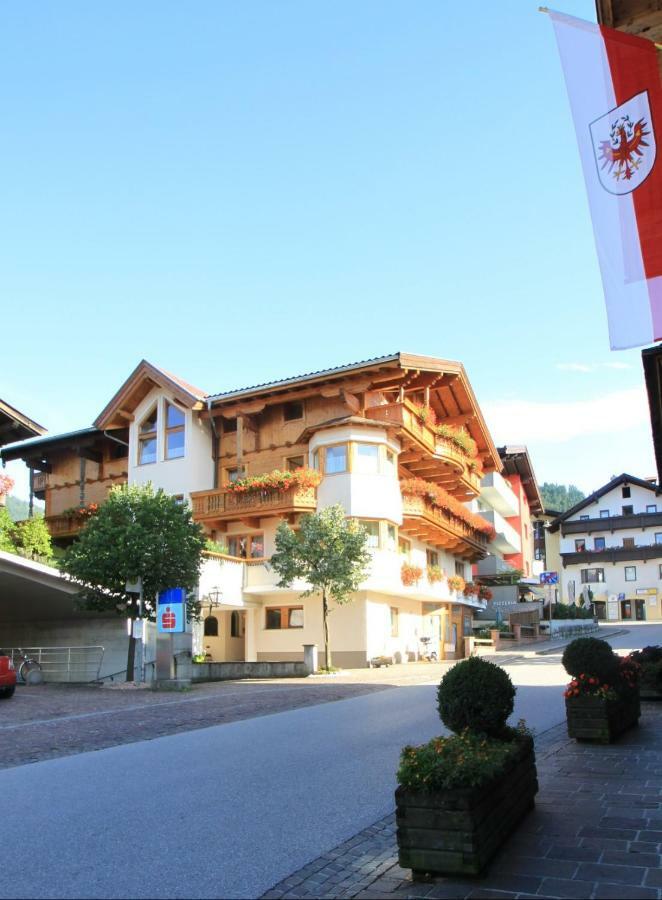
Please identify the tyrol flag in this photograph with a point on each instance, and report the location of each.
(615, 94)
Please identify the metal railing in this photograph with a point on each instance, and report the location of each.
(74, 665)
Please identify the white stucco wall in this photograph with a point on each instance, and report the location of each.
(192, 472)
(613, 502)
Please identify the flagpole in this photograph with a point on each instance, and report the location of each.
(545, 9)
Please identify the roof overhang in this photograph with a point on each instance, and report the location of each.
(38, 450)
(15, 426)
(640, 17)
(516, 461)
(144, 378)
(652, 361)
(445, 381)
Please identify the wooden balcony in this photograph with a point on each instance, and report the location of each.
(433, 526)
(64, 526)
(40, 483)
(641, 553)
(223, 505)
(425, 454)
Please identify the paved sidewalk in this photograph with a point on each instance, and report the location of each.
(596, 832)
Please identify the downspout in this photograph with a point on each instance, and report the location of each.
(214, 447)
(116, 439)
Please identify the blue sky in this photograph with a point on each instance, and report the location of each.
(241, 191)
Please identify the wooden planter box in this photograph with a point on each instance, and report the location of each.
(600, 720)
(457, 832)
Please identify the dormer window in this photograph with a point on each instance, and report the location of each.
(175, 432)
(147, 439)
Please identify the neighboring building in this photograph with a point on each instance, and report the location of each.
(368, 429)
(546, 546)
(15, 426)
(611, 550)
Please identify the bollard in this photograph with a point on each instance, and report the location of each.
(310, 658)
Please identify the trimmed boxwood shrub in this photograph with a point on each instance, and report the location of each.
(476, 695)
(591, 656)
(650, 660)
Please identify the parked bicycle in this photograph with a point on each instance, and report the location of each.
(426, 653)
(28, 669)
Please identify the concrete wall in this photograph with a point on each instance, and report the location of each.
(231, 671)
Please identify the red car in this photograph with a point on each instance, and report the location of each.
(7, 677)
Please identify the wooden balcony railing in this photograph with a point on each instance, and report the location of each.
(420, 440)
(223, 504)
(64, 526)
(423, 520)
(40, 482)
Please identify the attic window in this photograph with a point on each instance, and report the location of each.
(175, 432)
(229, 426)
(147, 439)
(292, 411)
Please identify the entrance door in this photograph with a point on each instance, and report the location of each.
(640, 610)
(626, 609)
(600, 610)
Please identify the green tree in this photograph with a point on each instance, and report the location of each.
(330, 553)
(7, 529)
(33, 538)
(560, 497)
(137, 533)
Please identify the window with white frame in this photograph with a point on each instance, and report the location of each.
(630, 573)
(651, 507)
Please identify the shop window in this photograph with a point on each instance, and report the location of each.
(292, 463)
(280, 617)
(335, 459)
(395, 621)
(175, 432)
(147, 438)
(292, 411)
(367, 459)
(630, 573)
(211, 626)
(372, 529)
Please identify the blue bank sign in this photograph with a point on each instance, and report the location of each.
(171, 611)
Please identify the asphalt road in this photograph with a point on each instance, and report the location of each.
(228, 811)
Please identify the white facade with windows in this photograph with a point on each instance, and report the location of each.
(611, 551)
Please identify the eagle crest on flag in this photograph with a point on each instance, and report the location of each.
(624, 145)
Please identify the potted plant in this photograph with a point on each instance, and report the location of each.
(410, 574)
(435, 574)
(650, 661)
(460, 797)
(456, 583)
(602, 700)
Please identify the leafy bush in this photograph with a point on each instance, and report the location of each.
(650, 660)
(33, 538)
(461, 761)
(476, 694)
(592, 657)
(216, 546)
(570, 611)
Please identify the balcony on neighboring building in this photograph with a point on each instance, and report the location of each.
(427, 455)
(222, 505)
(611, 523)
(39, 484)
(507, 540)
(498, 494)
(427, 522)
(641, 553)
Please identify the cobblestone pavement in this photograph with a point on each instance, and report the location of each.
(58, 720)
(596, 832)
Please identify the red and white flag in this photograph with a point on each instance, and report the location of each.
(615, 94)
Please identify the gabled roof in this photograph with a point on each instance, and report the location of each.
(15, 426)
(605, 489)
(140, 382)
(516, 461)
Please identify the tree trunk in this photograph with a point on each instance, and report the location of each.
(131, 655)
(325, 620)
